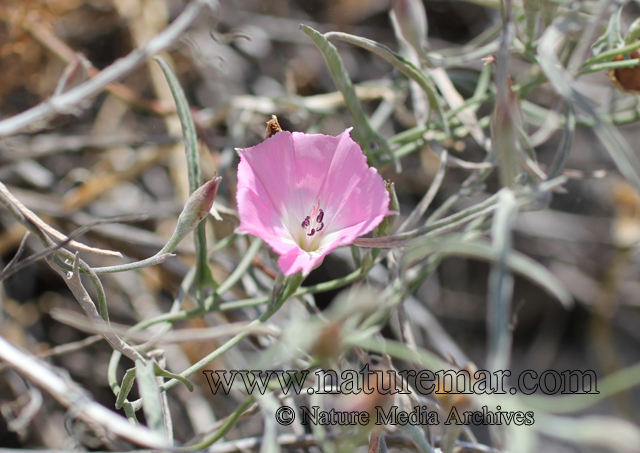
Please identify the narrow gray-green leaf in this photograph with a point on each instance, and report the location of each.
(363, 132)
(620, 151)
(432, 229)
(402, 65)
(188, 127)
(125, 388)
(150, 393)
(531, 12)
(507, 117)
(549, 8)
(399, 350)
(500, 288)
(565, 145)
(633, 33)
(164, 373)
(203, 272)
(269, 405)
(612, 37)
(481, 250)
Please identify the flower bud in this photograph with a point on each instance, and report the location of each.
(196, 209)
(200, 202)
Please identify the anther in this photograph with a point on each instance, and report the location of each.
(313, 224)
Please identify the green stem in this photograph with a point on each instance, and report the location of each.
(236, 275)
(612, 53)
(610, 65)
(290, 285)
(229, 423)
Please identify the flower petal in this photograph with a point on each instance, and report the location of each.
(283, 179)
(272, 164)
(296, 260)
(352, 193)
(258, 215)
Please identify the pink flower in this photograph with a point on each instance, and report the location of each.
(307, 194)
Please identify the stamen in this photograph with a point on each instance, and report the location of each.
(319, 220)
(316, 225)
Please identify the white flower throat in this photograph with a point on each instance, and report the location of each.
(311, 226)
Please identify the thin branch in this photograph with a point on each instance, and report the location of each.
(434, 229)
(15, 266)
(71, 100)
(80, 293)
(7, 271)
(424, 204)
(70, 395)
(70, 347)
(184, 335)
(55, 45)
(23, 214)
